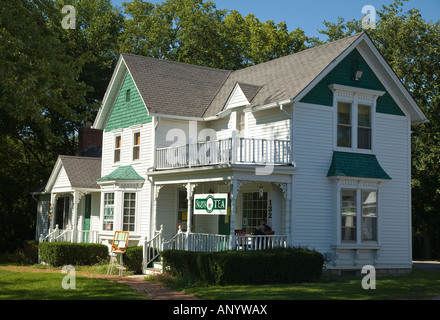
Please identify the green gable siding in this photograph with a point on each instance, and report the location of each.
(126, 114)
(348, 164)
(343, 74)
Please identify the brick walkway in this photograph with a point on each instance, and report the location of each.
(154, 290)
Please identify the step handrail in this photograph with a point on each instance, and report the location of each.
(152, 247)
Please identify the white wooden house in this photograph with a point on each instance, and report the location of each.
(317, 142)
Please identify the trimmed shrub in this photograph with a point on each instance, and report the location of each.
(133, 259)
(66, 253)
(247, 267)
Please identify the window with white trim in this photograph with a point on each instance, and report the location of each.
(136, 145)
(117, 149)
(109, 211)
(354, 126)
(129, 212)
(358, 216)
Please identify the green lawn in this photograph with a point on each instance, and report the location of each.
(48, 286)
(417, 285)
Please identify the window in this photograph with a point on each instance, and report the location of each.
(117, 152)
(254, 209)
(369, 216)
(344, 124)
(358, 206)
(109, 210)
(240, 123)
(348, 215)
(129, 213)
(364, 127)
(136, 145)
(354, 126)
(127, 95)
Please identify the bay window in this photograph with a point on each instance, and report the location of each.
(129, 211)
(109, 210)
(358, 216)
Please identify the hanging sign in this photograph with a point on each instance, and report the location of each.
(210, 204)
(120, 241)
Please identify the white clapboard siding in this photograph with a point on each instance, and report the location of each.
(166, 210)
(393, 152)
(237, 98)
(268, 124)
(223, 126)
(62, 182)
(313, 192)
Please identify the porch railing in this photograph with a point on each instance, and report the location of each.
(260, 242)
(199, 242)
(70, 235)
(152, 247)
(232, 150)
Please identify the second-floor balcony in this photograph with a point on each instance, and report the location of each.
(235, 150)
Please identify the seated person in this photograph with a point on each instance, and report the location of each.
(263, 227)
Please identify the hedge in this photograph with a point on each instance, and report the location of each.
(133, 259)
(282, 265)
(66, 253)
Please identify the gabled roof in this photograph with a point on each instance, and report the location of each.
(182, 90)
(81, 171)
(169, 87)
(122, 173)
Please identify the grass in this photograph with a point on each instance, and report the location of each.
(42, 285)
(416, 285)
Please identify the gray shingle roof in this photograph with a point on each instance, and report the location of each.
(283, 78)
(169, 87)
(82, 171)
(181, 89)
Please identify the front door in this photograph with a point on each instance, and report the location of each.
(87, 211)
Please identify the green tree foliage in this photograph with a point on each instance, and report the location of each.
(196, 32)
(52, 82)
(411, 46)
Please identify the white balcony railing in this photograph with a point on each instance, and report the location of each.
(232, 150)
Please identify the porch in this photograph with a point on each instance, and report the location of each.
(249, 199)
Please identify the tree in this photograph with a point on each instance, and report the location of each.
(411, 46)
(40, 98)
(196, 32)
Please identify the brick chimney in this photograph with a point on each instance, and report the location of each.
(90, 141)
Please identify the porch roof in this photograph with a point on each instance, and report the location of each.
(122, 173)
(348, 164)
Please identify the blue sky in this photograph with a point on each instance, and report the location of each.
(310, 14)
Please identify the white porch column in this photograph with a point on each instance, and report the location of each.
(234, 195)
(289, 212)
(74, 213)
(189, 194)
(53, 200)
